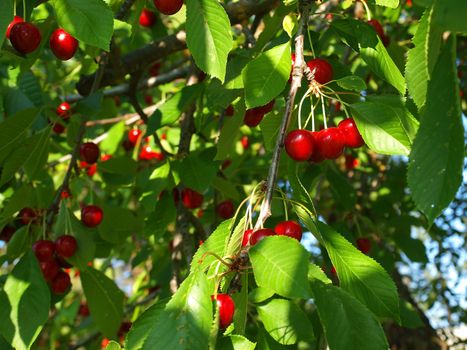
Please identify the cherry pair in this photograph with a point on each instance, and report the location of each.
(303, 145)
(254, 116)
(288, 228)
(28, 215)
(63, 111)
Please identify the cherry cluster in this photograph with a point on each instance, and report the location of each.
(316, 146)
(63, 112)
(134, 137)
(51, 256)
(25, 37)
(288, 228)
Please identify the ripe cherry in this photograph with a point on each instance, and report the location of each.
(147, 18)
(268, 107)
(133, 135)
(192, 199)
(147, 153)
(225, 209)
(63, 44)
(44, 249)
(330, 143)
(379, 30)
(83, 310)
(124, 328)
(226, 307)
(91, 215)
(225, 164)
(64, 110)
(65, 246)
(61, 283)
(148, 100)
(246, 237)
(252, 118)
(351, 162)
(245, 142)
(289, 228)
(168, 7)
(27, 215)
(154, 70)
(322, 69)
(6, 233)
(352, 137)
(25, 37)
(364, 245)
(91, 169)
(50, 269)
(89, 152)
(58, 128)
(229, 111)
(299, 145)
(260, 235)
(16, 19)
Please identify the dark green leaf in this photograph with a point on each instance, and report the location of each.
(6, 16)
(19, 243)
(14, 127)
(118, 223)
(352, 82)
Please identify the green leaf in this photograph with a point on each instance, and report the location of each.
(113, 140)
(186, 320)
(105, 300)
(38, 157)
(226, 187)
(14, 127)
(208, 37)
(6, 16)
(178, 103)
(113, 345)
(281, 264)
(386, 129)
(316, 272)
(230, 133)
(352, 82)
(119, 165)
(347, 324)
(84, 237)
(285, 321)
(342, 189)
(450, 15)
(388, 3)
(422, 58)
(241, 306)
(270, 128)
(260, 294)
(435, 172)
(265, 76)
(19, 243)
(235, 342)
(198, 170)
(90, 21)
(118, 224)
(361, 276)
(409, 315)
(29, 84)
(24, 309)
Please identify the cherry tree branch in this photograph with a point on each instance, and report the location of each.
(297, 75)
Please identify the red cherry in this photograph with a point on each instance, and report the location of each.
(25, 37)
(377, 26)
(351, 162)
(65, 194)
(352, 137)
(147, 18)
(104, 343)
(127, 145)
(192, 199)
(124, 328)
(58, 128)
(322, 69)
(91, 215)
(83, 310)
(226, 163)
(89, 152)
(299, 145)
(316, 157)
(133, 135)
(61, 283)
(330, 143)
(168, 7)
(106, 157)
(252, 118)
(27, 215)
(230, 111)
(267, 107)
(154, 70)
(117, 101)
(6, 233)
(66, 246)
(225, 209)
(226, 309)
(50, 269)
(164, 136)
(44, 249)
(64, 110)
(289, 228)
(63, 44)
(200, 213)
(409, 3)
(245, 142)
(246, 237)
(91, 169)
(364, 245)
(260, 235)
(16, 19)
(333, 270)
(147, 154)
(148, 100)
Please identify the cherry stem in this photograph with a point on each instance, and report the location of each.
(24, 9)
(324, 111)
(265, 212)
(367, 9)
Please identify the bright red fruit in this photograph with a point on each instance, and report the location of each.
(25, 37)
(267, 107)
(330, 143)
(89, 152)
(63, 44)
(50, 269)
(124, 328)
(352, 137)
(245, 142)
(192, 199)
(289, 228)
(252, 118)
(225, 209)
(260, 235)
(229, 111)
(147, 153)
(351, 162)
(380, 31)
(246, 237)
(299, 144)
(65, 246)
(91, 215)
(27, 215)
(61, 283)
(16, 19)
(154, 70)
(58, 128)
(148, 100)
(64, 110)
(147, 18)
(226, 309)
(83, 310)
(322, 70)
(133, 135)
(7, 233)
(364, 245)
(168, 7)
(44, 249)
